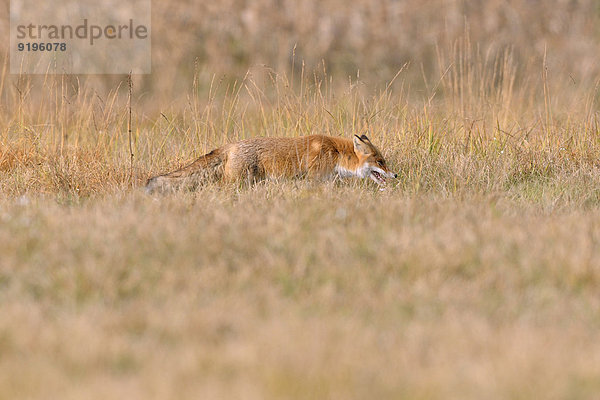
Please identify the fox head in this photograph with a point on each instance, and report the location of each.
(370, 161)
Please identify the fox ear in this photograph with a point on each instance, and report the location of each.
(360, 146)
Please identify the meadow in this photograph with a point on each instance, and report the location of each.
(475, 274)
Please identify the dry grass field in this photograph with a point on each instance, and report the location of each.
(473, 275)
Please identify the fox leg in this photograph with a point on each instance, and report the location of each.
(248, 174)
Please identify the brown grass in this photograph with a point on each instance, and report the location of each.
(474, 275)
(298, 291)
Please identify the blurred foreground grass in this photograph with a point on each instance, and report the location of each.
(299, 290)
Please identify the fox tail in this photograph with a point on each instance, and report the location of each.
(204, 168)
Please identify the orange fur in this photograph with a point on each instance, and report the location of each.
(259, 158)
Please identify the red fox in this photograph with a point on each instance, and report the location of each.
(263, 157)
